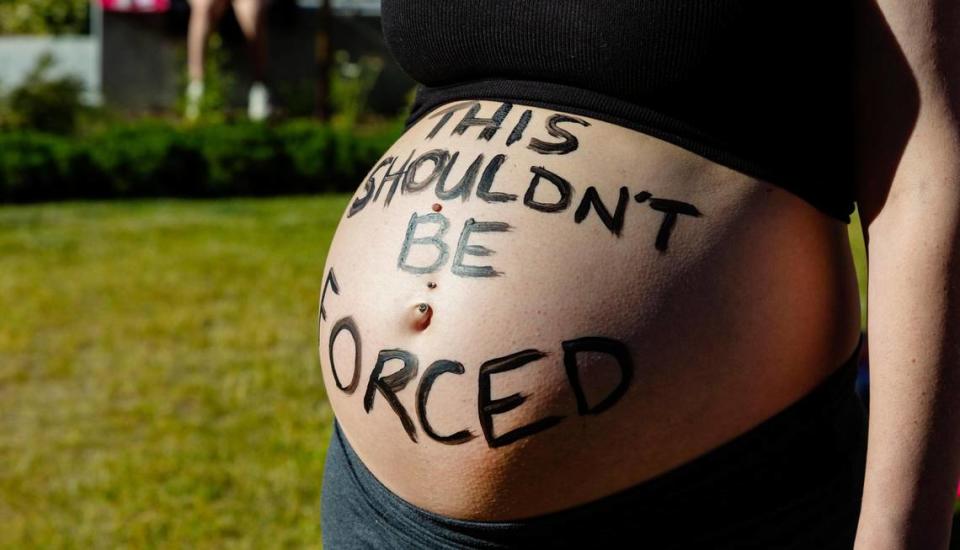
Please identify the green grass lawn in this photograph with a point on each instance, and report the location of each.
(159, 382)
(857, 246)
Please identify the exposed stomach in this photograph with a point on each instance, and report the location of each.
(522, 317)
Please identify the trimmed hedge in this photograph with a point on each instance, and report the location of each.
(153, 159)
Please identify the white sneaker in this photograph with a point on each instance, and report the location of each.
(194, 95)
(258, 102)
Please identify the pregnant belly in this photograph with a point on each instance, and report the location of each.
(524, 309)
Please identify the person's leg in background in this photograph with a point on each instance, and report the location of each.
(204, 15)
(251, 15)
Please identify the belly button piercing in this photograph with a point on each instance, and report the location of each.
(422, 319)
(431, 284)
(437, 207)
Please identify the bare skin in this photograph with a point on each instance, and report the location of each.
(204, 16)
(910, 202)
(744, 309)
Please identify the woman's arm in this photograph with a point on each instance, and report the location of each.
(909, 196)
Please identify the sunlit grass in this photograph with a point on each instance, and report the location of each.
(158, 375)
(855, 231)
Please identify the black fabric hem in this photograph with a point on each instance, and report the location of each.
(576, 100)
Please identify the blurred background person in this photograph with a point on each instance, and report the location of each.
(204, 17)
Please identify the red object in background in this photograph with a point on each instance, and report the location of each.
(136, 6)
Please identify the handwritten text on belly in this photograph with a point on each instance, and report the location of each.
(434, 167)
(427, 232)
(388, 386)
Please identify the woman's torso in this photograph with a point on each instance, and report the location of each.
(639, 336)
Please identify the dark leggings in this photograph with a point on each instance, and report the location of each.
(794, 481)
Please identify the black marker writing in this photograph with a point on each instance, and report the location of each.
(439, 158)
(600, 344)
(439, 367)
(671, 209)
(569, 143)
(465, 186)
(517, 133)
(388, 386)
(490, 125)
(435, 240)
(394, 178)
(615, 222)
(349, 325)
(562, 185)
(463, 248)
(361, 202)
(486, 182)
(488, 407)
(331, 281)
(445, 114)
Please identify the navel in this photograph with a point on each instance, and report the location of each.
(420, 318)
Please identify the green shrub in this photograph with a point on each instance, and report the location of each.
(152, 158)
(44, 103)
(359, 146)
(350, 84)
(244, 158)
(44, 16)
(146, 159)
(32, 167)
(310, 148)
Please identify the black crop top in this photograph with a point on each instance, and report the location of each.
(761, 86)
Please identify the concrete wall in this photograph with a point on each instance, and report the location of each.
(74, 55)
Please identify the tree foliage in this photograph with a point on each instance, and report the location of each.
(44, 16)
(43, 102)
